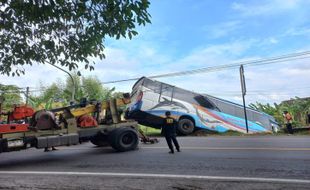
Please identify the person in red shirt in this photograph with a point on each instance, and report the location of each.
(288, 121)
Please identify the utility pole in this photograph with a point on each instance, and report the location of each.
(243, 88)
(73, 83)
(27, 95)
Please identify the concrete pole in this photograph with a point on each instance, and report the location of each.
(27, 95)
(243, 88)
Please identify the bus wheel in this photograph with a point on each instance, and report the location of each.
(124, 139)
(186, 126)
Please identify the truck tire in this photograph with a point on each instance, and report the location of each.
(124, 139)
(185, 126)
(99, 140)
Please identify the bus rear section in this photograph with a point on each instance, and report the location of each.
(151, 99)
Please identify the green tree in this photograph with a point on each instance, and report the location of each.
(48, 96)
(54, 92)
(11, 95)
(63, 32)
(59, 93)
(86, 87)
(93, 88)
(271, 110)
(297, 107)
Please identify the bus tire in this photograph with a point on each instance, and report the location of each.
(124, 139)
(185, 126)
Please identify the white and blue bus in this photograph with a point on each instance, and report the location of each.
(150, 100)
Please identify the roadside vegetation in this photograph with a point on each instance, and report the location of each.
(149, 131)
(58, 94)
(297, 107)
(10, 95)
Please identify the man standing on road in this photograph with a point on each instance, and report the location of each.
(169, 131)
(288, 121)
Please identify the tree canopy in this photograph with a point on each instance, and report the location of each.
(59, 93)
(63, 32)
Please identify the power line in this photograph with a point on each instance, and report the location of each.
(234, 92)
(18, 91)
(272, 60)
(228, 93)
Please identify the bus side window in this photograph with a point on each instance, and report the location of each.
(204, 102)
(167, 92)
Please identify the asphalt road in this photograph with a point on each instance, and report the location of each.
(266, 162)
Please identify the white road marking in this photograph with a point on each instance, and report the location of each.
(238, 148)
(149, 175)
(204, 148)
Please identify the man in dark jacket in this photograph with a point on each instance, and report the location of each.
(169, 131)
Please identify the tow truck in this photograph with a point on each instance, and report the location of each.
(97, 122)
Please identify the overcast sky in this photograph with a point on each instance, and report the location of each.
(190, 34)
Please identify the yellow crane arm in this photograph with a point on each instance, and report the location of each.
(92, 108)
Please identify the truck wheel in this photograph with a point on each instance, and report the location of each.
(124, 139)
(185, 126)
(98, 140)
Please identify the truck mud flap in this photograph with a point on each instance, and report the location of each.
(63, 140)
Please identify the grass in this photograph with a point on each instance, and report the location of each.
(303, 133)
(149, 131)
(211, 133)
(282, 132)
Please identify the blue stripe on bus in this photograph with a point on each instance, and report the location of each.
(232, 119)
(241, 122)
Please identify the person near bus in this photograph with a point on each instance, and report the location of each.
(169, 131)
(308, 117)
(288, 121)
